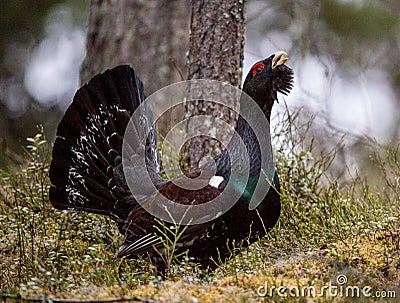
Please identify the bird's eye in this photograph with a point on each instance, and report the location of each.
(258, 68)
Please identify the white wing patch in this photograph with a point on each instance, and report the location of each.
(215, 181)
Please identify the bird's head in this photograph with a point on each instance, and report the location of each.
(268, 77)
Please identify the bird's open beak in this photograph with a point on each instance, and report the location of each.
(279, 59)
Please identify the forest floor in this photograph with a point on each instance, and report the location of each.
(333, 243)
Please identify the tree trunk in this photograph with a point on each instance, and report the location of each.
(153, 37)
(150, 35)
(215, 52)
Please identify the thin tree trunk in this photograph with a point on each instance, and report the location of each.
(215, 52)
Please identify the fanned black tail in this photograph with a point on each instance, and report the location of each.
(86, 171)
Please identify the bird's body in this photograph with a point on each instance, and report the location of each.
(87, 172)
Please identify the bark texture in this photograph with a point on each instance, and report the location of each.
(215, 52)
(150, 35)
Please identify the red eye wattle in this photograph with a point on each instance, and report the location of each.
(258, 68)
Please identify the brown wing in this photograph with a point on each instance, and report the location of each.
(142, 234)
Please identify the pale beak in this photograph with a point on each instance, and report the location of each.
(279, 59)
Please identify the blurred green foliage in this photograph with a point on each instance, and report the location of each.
(22, 25)
(360, 21)
(21, 20)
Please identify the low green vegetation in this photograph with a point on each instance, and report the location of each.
(327, 232)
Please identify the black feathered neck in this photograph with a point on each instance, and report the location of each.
(262, 84)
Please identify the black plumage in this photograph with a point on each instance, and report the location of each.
(87, 175)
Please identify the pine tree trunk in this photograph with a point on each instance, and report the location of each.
(150, 35)
(215, 52)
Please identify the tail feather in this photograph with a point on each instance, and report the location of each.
(141, 245)
(86, 171)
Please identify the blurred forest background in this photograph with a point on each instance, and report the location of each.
(345, 55)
